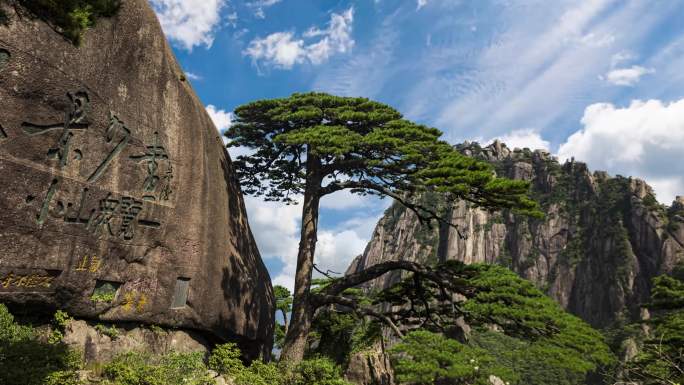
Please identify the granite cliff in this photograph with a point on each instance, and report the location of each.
(596, 250)
(118, 201)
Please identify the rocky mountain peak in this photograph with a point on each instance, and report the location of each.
(602, 239)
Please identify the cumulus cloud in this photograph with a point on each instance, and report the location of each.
(222, 119)
(420, 4)
(523, 138)
(285, 49)
(627, 76)
(343, 200)
(644, 139)
(276, 227)
(189, 23)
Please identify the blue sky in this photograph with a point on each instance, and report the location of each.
(598, 80)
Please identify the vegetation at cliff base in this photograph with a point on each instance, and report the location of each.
(71, 18)
(426, 358)
(27, 358)
(532, 340)
(661, 357)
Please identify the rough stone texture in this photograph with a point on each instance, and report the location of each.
(370, 367)
(99, 347)
(602, 241)
(111, 170)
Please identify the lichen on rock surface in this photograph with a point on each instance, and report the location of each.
(118, 201)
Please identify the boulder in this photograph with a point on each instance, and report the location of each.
(118, 200)
(101, 343)
(370, 367)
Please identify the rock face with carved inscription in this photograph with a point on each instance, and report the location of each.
(117, 197)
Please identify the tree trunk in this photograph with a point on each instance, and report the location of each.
(285, 324)
(302, 311)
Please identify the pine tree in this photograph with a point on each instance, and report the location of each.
(316, 144)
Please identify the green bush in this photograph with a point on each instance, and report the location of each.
(26, 360)
(143, 369)
(111, 331)
(314, 371)
(259, 373)
(225, 359)
(103, 297)
(426, 358)
(71, 17)
(661, 357)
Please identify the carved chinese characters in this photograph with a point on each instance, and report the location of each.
(73, 121)
(82, 144)
(27, 280)
(98, 144)
(153, 155)
(115, 129)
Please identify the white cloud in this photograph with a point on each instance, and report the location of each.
(276, 227)
(232, 19)
(420, 4)
(193, 76)
(343, 200)
(524, 138)
(597, 40)
(645, 140)
(189, 23)
(278, 48)
(284, 49)
(222, 119)
(627, 76)
(365, 73)
(620, 58)
(336, 249)
(260, 6)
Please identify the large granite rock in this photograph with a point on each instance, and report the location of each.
(602, 241)
(117, 197)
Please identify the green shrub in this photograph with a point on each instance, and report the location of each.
(259, 373)
(661, 357)
(426, 358)
(71, 17)
(10, 331)
(156, 329)
(26, 360)
(225, 359)
(315, 371)
(60, 321)
(107, 297)
(144, 369)
(111, 331)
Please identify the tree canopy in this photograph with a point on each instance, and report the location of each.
(316, 144)
(449, 314)
(361, 145)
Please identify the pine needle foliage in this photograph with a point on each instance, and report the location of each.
(426, 358)
(528, 323)
(71, 18)
(364, 146)
(661, 357)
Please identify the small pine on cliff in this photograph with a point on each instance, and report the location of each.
(71, 18)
